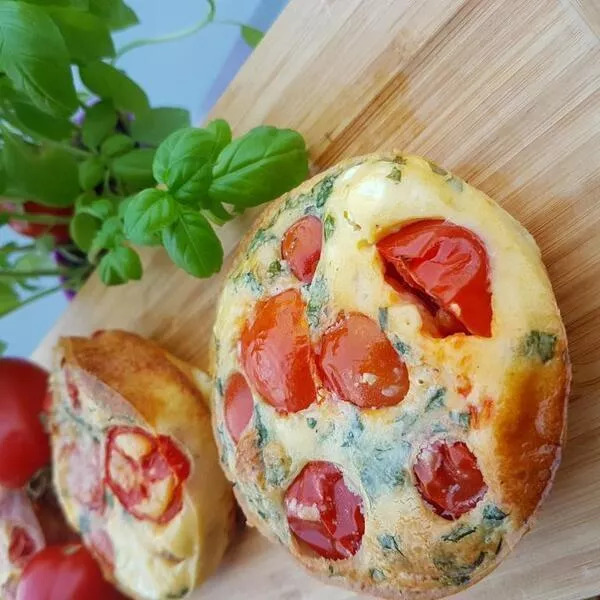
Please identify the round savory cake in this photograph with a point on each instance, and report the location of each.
(391, 377)
(135, 465)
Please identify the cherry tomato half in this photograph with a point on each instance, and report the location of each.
(24, 444)
(238, 405)
(276, 352)
(360, 364)
(146, 473)
(323, 513)
(448, 478)
(449, 264)
(301, 247)
(34, 230)
(64, 573)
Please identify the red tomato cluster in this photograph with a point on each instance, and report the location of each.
(34, 230)
(441, 268)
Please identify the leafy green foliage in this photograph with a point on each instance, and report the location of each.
(115, 145)
(222, 134)
(100, 120)
(91, 173)
(153, 126)
(41, 123)
(83, 229)
(134, 169)
(120, 265)
(251, 35)
(34, 56)
(9, 299)
(149, 212)
(259, 166)
(115, 12)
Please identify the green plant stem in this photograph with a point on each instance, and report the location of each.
(29, 274)
(76, 151)
(40, 219)
(33, 298)
(170, 37)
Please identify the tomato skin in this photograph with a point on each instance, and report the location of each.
(35, 230)
(277, 355)
(239, 405)
(24, 444)
(66, 572)
(449, 264)
(301, 247)
(162, 460)
(337, 532)
(360, 365)
(448, 478)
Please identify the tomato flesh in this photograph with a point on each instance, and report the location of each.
(24, 444)
(360, 365)
(276, 352)
(60, 232)
(447, 263)
(301, 247)
(448, 478)
(323, 513)
(64, 573)
(238, 405)
(146, 473)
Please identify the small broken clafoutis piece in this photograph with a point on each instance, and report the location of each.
(136, 469)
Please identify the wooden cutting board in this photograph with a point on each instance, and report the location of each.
(504, 93)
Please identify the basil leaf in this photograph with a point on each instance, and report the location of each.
(41, 123)
(90, 204)
(222, 133)
(115, 12)
(34, 57)
(91, 173)
(2, 177)
(46, 175)
(183, 164)
(155, 125)
(100, 120)
(87, 37)
(83, 229)
(251, 35)
(116, 144)
(193, 245)
(9, 299)
(120, 265)
(109, 236)
(259, 166)
(147, 213)
(3, 347)
(112, 84)
(134, 169)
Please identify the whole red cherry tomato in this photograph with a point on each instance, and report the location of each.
(24, 444)
(448, 478)
(276, 352)
(238, 405)
(360, 364)
(323, 513)
(66, 572)
(60, 232)
(449, 264)
(301, 247)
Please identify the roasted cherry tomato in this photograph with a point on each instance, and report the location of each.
(64, 573)
(360, 364)
(146, 473)
(301, 247)
(34, 230)
(24, 444)
(238, 405)
(449, 264)
(448, 478)
(323, 513)
(276, 352)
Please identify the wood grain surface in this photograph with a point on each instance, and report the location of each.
(506, 94)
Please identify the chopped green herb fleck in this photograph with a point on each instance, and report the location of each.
(262, 514)
(324, 190)
(377, 574)
(383, 467)
(389, 542)
(318, 297)
(330, 570)
(355, 429)
(277, 470)
(248, 279)
(328, 226)
(463, 419)
(395, 175)
(401, 348)
(109, 499)
(493, 516)
(539, 344)
(219, 384)
(407, 419)
(458, 533)
(455, 183)
(383, 317)
(181, 594)
(261, 431)
(436, 400)
(456, 574)
(438, 428)
(499, 546)
(84, 523)
(274, 269)
(437, 169)
(400, 160)
(260, 237)
(311, 422)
